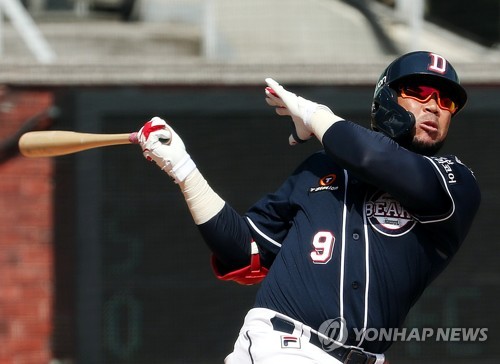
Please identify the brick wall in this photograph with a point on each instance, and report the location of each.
(26, 253)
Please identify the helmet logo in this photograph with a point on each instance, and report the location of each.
(438, 63)
(382, 81)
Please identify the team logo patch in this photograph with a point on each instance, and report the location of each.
(290, 342)
(387, 216)
(326, 183)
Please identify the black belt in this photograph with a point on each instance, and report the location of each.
(345, 355)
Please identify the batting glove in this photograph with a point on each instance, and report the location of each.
(161, 144)
(298, 108)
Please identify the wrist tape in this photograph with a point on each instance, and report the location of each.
(182, 169)
(321, 120)
(202, 201)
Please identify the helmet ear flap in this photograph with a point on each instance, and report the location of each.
(389, 117)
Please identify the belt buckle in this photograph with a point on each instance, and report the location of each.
(355, 356)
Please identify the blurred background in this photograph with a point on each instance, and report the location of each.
(100, 262)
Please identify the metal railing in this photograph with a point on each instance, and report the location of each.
(27, 29)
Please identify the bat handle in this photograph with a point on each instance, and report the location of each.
(133, 138)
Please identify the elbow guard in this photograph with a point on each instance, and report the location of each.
(251, 274)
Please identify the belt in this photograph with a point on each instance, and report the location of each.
(343, 354)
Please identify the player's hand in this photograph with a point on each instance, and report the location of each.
(161, 144)
(298, 108)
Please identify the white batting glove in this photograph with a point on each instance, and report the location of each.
(161, 144)
(298, 108)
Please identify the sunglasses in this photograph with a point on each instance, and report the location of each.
(424, 93)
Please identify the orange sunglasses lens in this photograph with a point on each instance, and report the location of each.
(424, 93)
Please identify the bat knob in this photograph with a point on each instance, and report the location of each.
(133, 138)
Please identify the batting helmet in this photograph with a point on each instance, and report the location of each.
(424, 67)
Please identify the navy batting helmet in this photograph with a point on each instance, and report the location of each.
(422, 67)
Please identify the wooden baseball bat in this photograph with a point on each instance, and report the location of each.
(52, 143)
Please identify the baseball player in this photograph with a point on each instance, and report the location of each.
(352, 238)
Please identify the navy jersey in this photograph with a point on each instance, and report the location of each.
(359, 230)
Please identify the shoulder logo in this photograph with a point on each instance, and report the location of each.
(387, 216)
(326, 183)
(447, 167)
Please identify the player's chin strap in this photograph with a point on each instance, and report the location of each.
(251, 274)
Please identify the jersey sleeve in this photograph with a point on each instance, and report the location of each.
(228, 237)
(440, 192)
(236, 256)
(234, 239)
(271, 217)
(459, 182)
(378, 160)
(460, 185)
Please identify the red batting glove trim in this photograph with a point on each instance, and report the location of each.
(148, 128)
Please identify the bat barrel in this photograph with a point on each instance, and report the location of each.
(50, 143)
